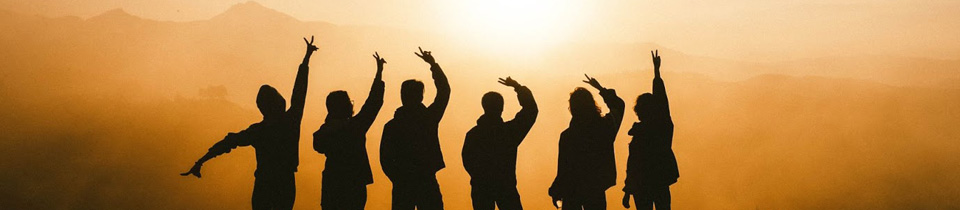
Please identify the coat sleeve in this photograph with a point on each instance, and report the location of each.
(230, 142)
(660, 95)
(371, 107)
(524, 120)
(614, 118)
(439, 105)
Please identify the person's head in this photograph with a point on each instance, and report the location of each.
(644, 101)
(492, 103)
(339, 105)
(411, 92)
(582, 104)
(270, 102)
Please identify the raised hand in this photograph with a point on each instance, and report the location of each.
(509, 82)
(426, 56)
(195, 171)
(380, 61)
(656, 58)
(593, 82)
(656, 63)
(310, 46)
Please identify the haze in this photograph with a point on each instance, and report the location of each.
(777, 105)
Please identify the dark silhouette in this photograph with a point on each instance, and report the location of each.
(586, 167)
(410, 147)
(342, 138)
(651, 166)
(276, 139)
(490, 149)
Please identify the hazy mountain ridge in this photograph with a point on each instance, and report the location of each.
(260, 25)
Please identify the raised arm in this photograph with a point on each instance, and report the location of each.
(228, 143)
(440, 102)
(614, 102)
(299, 96)
(659, 91)
(368, 113)
(523, 121)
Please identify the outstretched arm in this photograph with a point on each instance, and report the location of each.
(443, 86)
(659, 91)
(230, 142)
(299, 96)
(368, 113)
(524, 119)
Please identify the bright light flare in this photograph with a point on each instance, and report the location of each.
(517, 23)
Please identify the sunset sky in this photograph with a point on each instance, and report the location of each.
(753, 30)
(777, 104)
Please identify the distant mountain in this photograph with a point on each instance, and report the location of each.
(116, 15)
(253, 11)
(260, 27)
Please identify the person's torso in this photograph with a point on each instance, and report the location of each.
(277, 147)
(652, 145)
(417, 142)
(493, 152)
(587, 156)
(346, 153)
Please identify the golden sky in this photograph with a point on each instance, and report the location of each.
(754, 30)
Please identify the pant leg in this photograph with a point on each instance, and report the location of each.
(595, 201)
(287, 192)
(430, 197)
(274, 191)
(329, 193)
(402, 198)
(260, 199)
(661, 197)
(508, 199)
(643, 199)
(360, 198)
(482, 198)
(571, 203)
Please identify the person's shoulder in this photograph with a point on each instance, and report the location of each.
(391, 124)
(255, 126)
(473, 131)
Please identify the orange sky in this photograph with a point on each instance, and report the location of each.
(753, 30)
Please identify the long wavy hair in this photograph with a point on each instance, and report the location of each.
(582, 105)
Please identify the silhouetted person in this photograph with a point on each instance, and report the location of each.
(586, 167)
(410, 148)
(490, 149)
(651, 166)
(276, 140)
(342, 138)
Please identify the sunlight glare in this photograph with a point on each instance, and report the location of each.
(516, 23)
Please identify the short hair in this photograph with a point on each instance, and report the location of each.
(411, 92)
(492, 102)
(644, 102)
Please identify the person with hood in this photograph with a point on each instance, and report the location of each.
(651, 166)
(343, 139)
(276, 140)
(586, 166)
(410, 147)
(490, 149)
